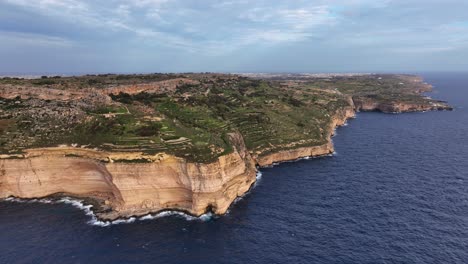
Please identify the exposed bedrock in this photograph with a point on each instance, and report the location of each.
(127, 189)
(370, 104)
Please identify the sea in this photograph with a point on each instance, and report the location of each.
(395, 191)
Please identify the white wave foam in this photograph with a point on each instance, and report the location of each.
(258, 178)
(19, 200)
(45, 201)
(206, 217)
(95, 221)
(13, 199)
(203, 218)
(259, 175)
(147, 217)
(124, 221)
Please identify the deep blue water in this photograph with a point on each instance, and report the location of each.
(395, 192)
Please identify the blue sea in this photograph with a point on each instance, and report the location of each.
(396, 191)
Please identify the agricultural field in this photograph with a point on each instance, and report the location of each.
(187, 115)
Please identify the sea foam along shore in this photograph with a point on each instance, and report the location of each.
(88, 209)
(94, 221)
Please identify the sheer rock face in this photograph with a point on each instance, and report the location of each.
(191, 187)
(338, 119)
(369, 104)
(168, 86)
(47, 175)
(127, 189)
(165, 182)
(127, 183)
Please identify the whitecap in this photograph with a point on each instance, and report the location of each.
(259, 175)
(206, 217)
(45, 201)
(147, 217)
(95, 222)
(16, 200)
(124, 221)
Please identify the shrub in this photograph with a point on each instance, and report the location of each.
(149, 130)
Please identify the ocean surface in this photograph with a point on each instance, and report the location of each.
(396, 191)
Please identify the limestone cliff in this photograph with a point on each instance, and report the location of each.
(338, 119)
(371, 104)
(127, 183)
(126, 189)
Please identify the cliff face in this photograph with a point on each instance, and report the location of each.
(133, 188)
(370, 104)
(47, 175)
(175, 183)
(126, 189)
(338, 119)
(165, 181)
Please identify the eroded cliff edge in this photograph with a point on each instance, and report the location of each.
(127, 189)
(124, 189)
(262, 124)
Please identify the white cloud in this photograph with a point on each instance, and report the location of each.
(35, 40)
(421, 49)
(59, 5)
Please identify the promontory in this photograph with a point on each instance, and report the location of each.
(142, 143)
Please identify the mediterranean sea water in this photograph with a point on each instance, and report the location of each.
(395, 192)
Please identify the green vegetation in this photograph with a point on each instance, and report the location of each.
(192, 120)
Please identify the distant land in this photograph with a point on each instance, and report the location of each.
(133, 144)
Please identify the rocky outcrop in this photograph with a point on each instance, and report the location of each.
(295, 153)
(160, 87)
(162, 181)
(126, 189)
(371, 104)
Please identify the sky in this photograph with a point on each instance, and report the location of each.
(85, 36)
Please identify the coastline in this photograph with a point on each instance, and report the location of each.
(110, 201)
(118, 190)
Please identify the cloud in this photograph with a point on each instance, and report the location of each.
(62, 5)
(34, 40)
(419, 50)
(226, 28)
(178, 23)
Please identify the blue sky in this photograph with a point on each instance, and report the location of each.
(84, 36)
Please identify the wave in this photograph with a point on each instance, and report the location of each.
(19, 200)
(203, 217)
(95, 221)
(258, 178)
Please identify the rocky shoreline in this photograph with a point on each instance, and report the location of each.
(135, 189)
(128, 184)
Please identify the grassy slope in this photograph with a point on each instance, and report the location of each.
(192, 122)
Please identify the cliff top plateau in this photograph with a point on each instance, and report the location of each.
(190, 115)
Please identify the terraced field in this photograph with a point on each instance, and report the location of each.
(188, 115)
